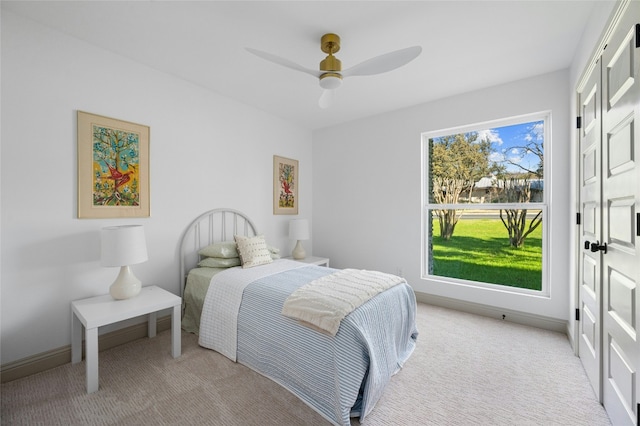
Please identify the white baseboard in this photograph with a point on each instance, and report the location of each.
(57, 357)
(532, 320)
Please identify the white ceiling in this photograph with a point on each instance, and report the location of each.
(467, 45)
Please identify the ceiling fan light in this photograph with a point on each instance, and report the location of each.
(330, 80)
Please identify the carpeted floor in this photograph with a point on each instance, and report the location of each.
(465, 370)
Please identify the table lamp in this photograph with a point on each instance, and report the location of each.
(299, 230)
(124, 246)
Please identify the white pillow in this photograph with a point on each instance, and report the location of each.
(253, 251)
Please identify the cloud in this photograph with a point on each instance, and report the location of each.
(496, 157)
(535, 132)
(491, 135)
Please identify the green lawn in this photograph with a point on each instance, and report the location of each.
(479, 250)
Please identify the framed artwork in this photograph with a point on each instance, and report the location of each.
(285, 185)
(113, 168)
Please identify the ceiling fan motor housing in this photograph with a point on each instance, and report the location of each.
(331, 78)
(330, 63)
(330, 44)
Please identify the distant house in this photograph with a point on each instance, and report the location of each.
(489, 190)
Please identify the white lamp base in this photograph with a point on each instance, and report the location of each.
(298, 251)
(126, 285)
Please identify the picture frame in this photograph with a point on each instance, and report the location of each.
(285, 185)
(113, 167)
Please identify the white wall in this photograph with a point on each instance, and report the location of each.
(206, 151)
(367, 188)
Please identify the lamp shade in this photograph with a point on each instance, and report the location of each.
(299, 229)
(123, 245)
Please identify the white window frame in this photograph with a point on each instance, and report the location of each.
(544, 116)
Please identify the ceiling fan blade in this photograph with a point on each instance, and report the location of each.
(326, 99)
(383, 63)
(282, 61)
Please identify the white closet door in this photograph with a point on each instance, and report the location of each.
(590, 299)
(620, 210)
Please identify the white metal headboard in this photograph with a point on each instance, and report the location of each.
(210, 227)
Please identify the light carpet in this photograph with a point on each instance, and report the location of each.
(466, 369)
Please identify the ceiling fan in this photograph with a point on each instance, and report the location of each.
(330, 73)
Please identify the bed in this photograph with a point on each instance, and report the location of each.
(239, 309)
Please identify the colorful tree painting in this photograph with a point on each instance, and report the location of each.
(116, 158)
(287, 186)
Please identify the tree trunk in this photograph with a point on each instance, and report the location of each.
(516, 224)
(448, 220)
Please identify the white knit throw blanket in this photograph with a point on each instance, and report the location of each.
(324, 302)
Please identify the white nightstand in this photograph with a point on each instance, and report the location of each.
(321, 261)
(97, 311)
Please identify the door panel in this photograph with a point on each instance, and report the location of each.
(620, 222)
(621, 201)
(622, 375)
(621, 295)
(589, 341)
(620, 148)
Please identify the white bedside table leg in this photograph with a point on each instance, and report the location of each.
(151, 331)
(76, 339)
(91, 342)
(176, 341)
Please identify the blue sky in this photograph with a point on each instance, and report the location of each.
(506, 142)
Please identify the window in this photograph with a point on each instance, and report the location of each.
(484, 204)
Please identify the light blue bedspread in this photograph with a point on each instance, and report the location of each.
(339, 376)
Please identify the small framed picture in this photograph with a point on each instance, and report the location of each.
(285, 185)
(113, 168)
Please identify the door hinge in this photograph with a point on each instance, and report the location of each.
(637, 224)
(638, 39)
(578, 122)
(577, 218)
(577, 314)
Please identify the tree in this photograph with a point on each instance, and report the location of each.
(456, 163)
(532, 147)
(515, 220)
(517, 188)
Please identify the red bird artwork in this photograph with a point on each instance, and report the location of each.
(285, 186)
(118, 177)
